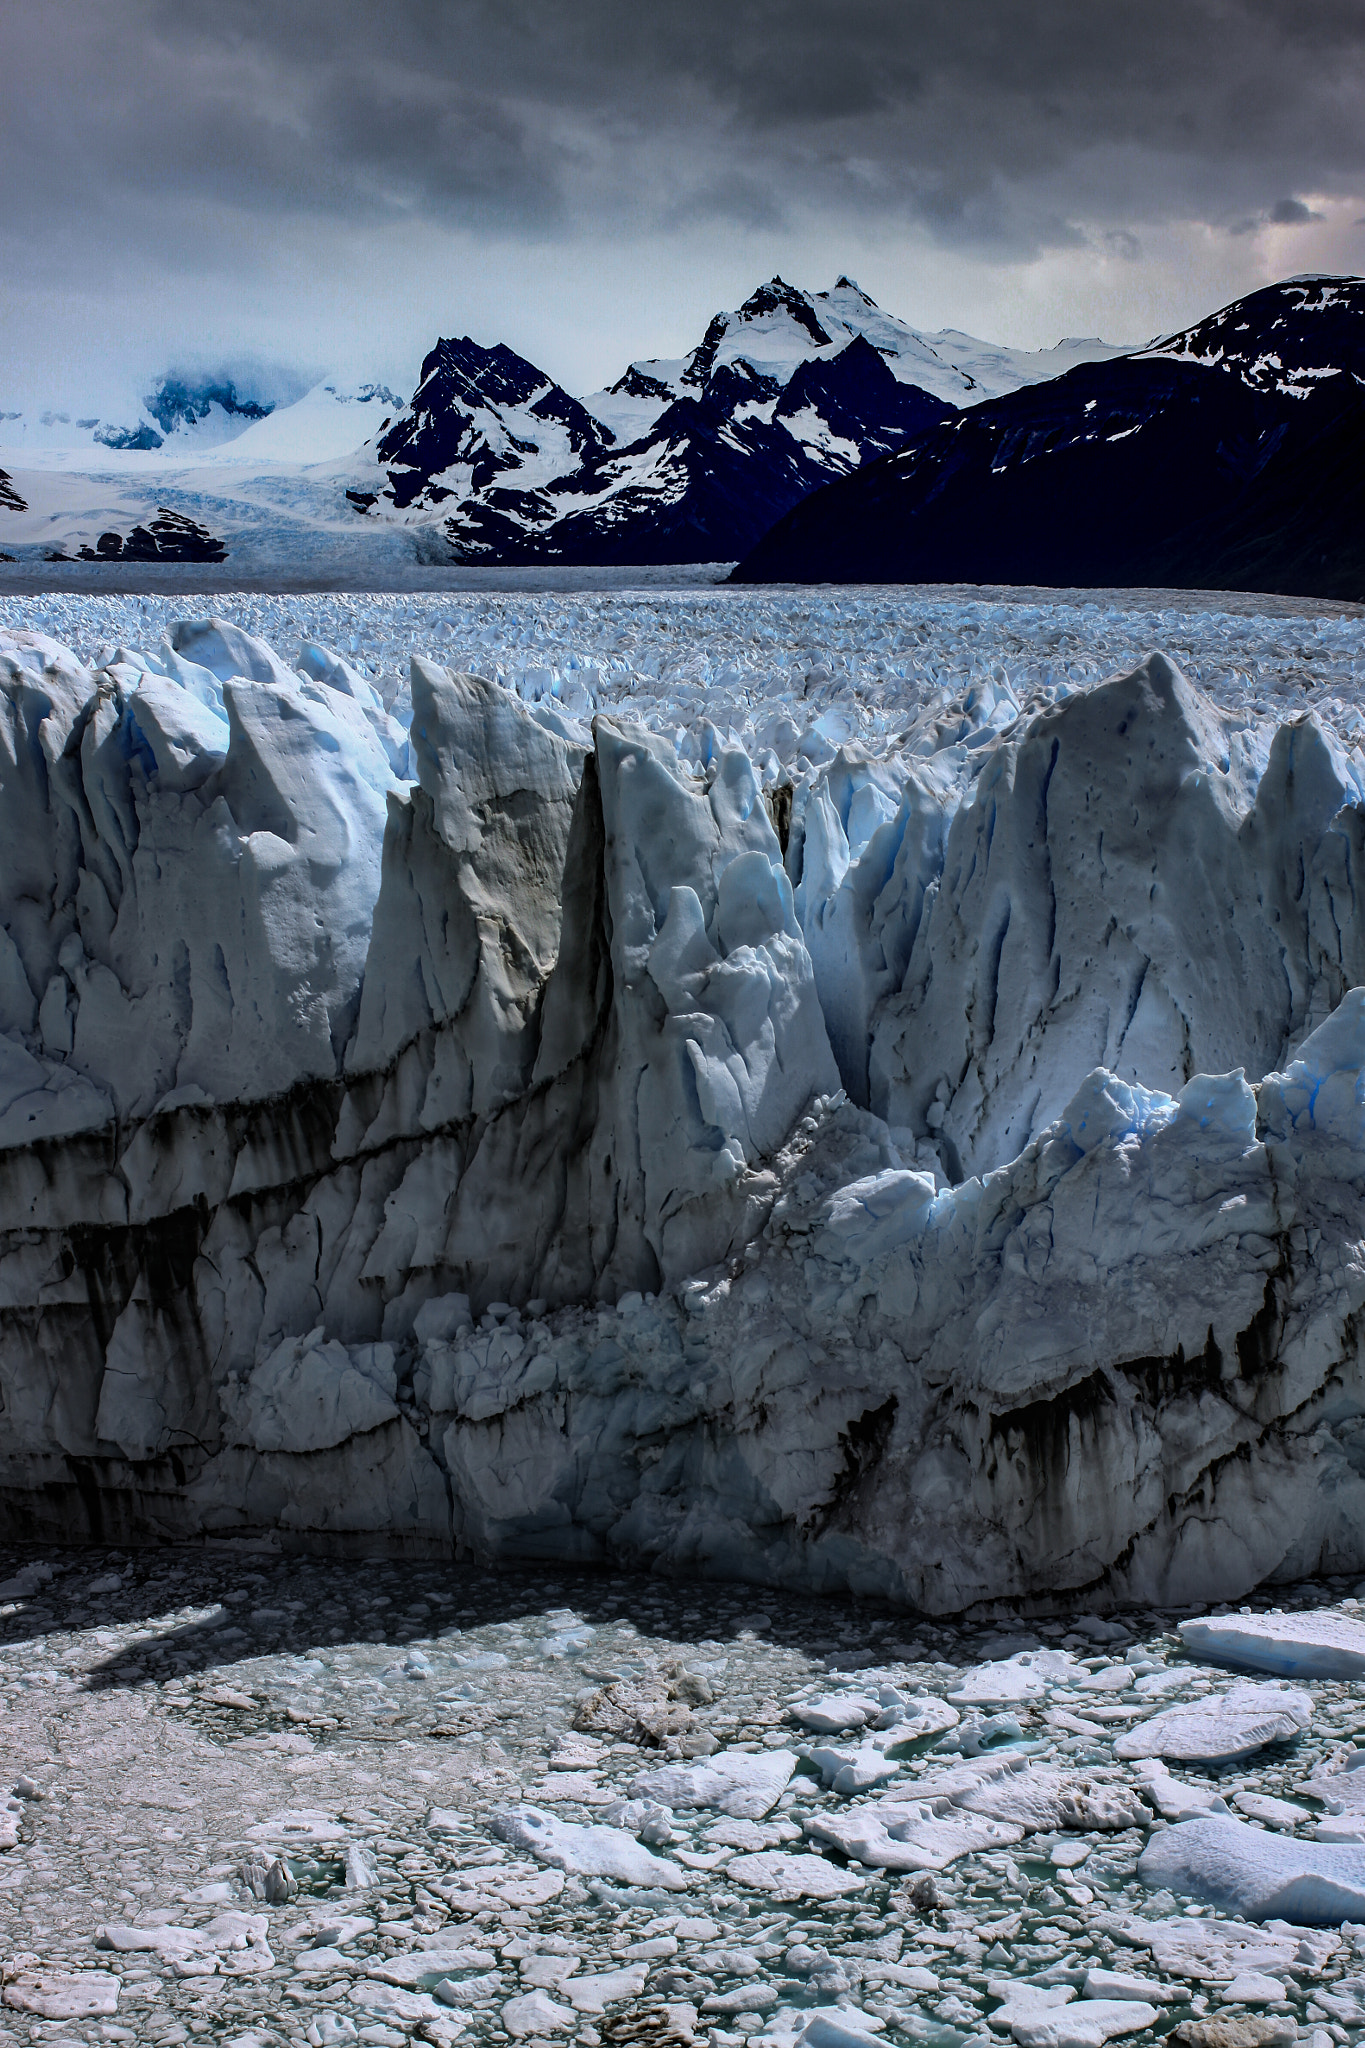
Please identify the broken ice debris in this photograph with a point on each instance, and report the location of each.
(892, 1834)
(734, 1781)
(788, 1876)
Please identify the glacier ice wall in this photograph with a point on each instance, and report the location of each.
(488, 1133)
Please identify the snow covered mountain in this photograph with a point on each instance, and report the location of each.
(777, 398)
(1228, 456)
(780, 326)
(486, 1134)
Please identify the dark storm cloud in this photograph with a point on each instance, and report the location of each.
(999, 127)
(1292, 213)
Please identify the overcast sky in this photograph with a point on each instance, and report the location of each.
(326, 185)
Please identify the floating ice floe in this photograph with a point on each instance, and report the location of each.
(836, 1713)
(735, 1782)
(1086, 2024)
(1038, 1798)
(1216, 1951)
(62, 1994)
(1028, 1675)
(1313, 1645)
(586, 1851)
(1243, 1869)
(790, 1875)
(850, 1768)
(905, 1834)
(1222, 1727)
(1339, 1782)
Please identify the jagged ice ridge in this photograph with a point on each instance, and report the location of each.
(928, 1162)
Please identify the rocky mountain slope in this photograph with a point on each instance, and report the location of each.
(488, 1133)
(1225, 457)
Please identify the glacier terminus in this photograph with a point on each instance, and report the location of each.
(460, 1112)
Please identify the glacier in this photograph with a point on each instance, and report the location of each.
(918, 1154)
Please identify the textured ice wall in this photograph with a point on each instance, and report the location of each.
(507, 1177)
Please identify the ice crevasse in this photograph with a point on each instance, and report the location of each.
(486, 1132)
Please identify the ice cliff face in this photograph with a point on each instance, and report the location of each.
(490, 1133)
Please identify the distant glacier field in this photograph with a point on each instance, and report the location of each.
(885, 666)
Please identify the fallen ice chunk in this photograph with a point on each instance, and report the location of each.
(63, 1994)
(734, 1781)
(1020, 1998)
(1252, 1988)
(1039, 1798)
(534, 2012)
(1340, 1782)
(847, 1768)
(1276, 1813)
(892, 1834)
(1247, 1870)
(1324, 1645)
(1234, 2030)
(1345, 2001)
(1222, 1727)
(608, 1987)
(1117, 1984)
(1216, 1951)
(836, 1714)
(1025, 1676)
(586, 1851)
(788, 1876)
(843, 2029)
(1173, 1798)
(1086, 2024)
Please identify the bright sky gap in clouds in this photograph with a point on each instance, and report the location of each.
(326, 185)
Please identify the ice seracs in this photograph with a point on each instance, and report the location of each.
(463, 1101)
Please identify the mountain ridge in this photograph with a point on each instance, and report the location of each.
(1200, 461)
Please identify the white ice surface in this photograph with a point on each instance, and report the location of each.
(1246, 1870)
(1290, 1645)
(586, 1851)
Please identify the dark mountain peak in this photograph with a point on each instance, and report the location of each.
(850, 284)
(487, 408)
(464, 371)
(637, 383)
(776, 296)
(704, 354)
(1230, 456)
(1286, 337)
(856, 398)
